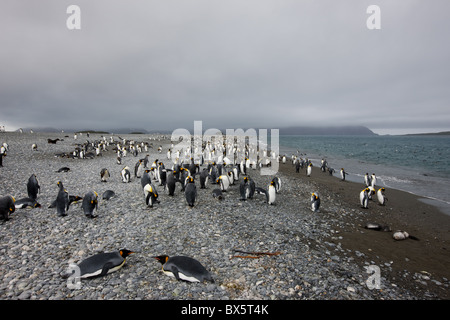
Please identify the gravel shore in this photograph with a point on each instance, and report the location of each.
(311, 258)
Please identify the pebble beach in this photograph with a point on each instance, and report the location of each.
(325, 255)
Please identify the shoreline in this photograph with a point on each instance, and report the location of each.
(403, 211)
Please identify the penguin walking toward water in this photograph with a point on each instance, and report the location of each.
(33, 187)
(126, 176)
(381, 197)
(309, 170)
(7, 206)
(373, 180)
(62, 201)
(343, 174)
(367, 180)
(184, 268)
(151, 195)
(104, 175)
(315, 202)
(90, 202)
(364, 198)
(190, 191)
(102, 263)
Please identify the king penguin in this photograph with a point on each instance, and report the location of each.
(151, 195)
(224, 182)
(90, 202)
(104, 175)
(244, 189)
(343, 174)
(184, 268)
(204, 177)
(190, 191)
(381, 197)
(364, 198)
(7, 206)
(103, 263)
(277, 184)
(315, 202)
(309, 170)
(33, 187)
(62, 200)
(125, 173)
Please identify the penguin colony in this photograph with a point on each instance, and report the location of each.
(212, 168)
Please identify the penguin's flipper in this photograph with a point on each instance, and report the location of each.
(106, 268)
(175, 272)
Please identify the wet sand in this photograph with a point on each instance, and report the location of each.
(429, 256)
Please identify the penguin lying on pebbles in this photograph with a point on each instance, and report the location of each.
(102, 263)
(108, 194)
(7, 207)
(184, 268)
(27, 202)
(217, 193)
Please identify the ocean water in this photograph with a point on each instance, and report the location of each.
(416, 164)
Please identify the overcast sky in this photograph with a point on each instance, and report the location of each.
(231, 64)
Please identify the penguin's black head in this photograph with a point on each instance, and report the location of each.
(125, 253)
(162, 259)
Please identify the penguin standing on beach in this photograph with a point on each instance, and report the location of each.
(126, 176)
(373, 180)
(151, 195)
(204, 178)
(1, 158)
(367, 180)
(90, 202)
(7, 206)
(138, 169)
(171, 183)
(62, 200)
(277, 184)
(184, 268)
(104, 175)
(224, 182)
(190, 191)
(270, 193)
(343, 174)
(364, 198)
(309, 170)
(244, 189)
(381, 197)
(33, 187)
(315, 202)
(102, 263)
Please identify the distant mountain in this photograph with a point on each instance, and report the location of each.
(331, 131)
(116, 130)
(442, 133)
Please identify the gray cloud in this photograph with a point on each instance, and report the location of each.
(265, 63)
